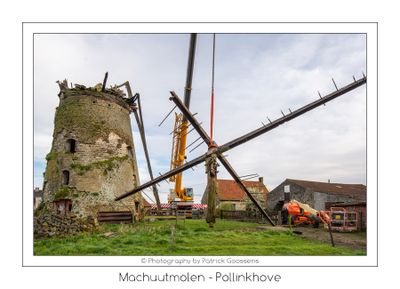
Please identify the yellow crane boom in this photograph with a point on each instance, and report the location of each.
(181, 130)
(178, 156)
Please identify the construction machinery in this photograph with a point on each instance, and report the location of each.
(179, 194)
(343, 220)
(297, 213)
(180, 197)
(338, 218)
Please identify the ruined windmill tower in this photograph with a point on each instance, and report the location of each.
(92, 159)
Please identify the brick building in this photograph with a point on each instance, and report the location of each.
(231, 197)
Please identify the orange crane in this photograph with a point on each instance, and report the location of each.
(297, 213)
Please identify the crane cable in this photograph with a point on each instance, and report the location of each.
(212, 95)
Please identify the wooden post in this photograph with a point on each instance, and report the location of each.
(211, 189)
(330, 233)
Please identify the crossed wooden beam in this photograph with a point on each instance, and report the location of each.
(219, 150)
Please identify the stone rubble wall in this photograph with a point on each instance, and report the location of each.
(48, 225)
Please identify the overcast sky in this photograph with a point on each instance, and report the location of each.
(256, 75)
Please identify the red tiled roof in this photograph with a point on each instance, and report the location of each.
(353, 190)
(229, 189)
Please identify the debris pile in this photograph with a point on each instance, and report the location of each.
(48, 225)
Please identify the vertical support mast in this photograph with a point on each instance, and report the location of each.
(179, 191)
(189, 71)
(212, 95)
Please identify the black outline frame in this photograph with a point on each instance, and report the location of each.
(277, 266)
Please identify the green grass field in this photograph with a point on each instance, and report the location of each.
(189, 237)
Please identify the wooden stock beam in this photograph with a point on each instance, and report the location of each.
(245, 138)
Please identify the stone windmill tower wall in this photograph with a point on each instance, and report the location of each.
(92, 159)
